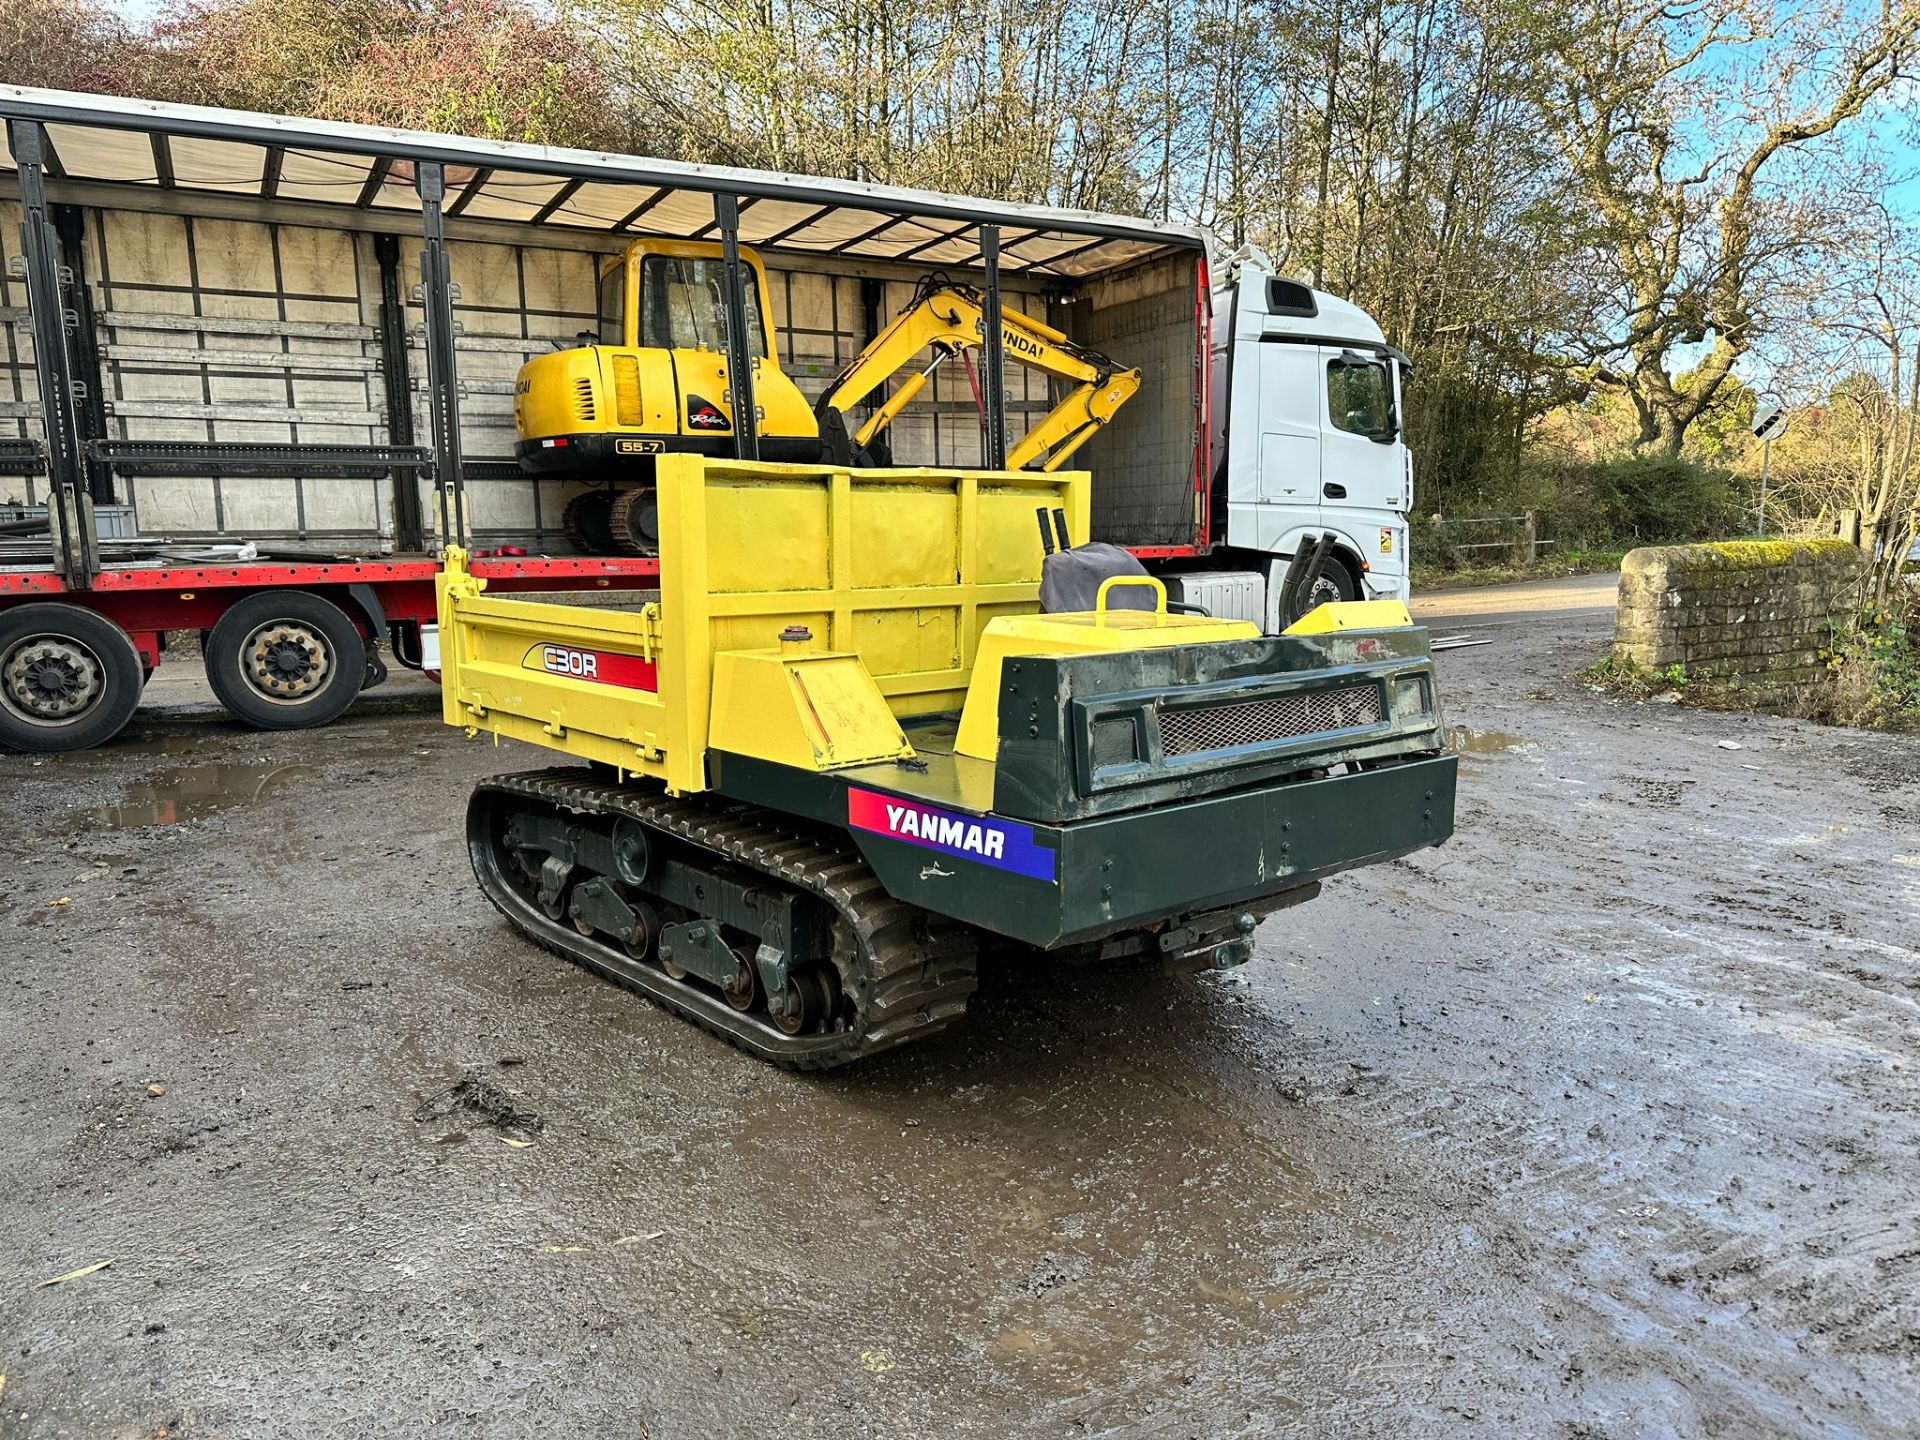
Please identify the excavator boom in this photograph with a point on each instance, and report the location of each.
(950, 319)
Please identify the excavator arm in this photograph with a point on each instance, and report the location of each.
(950, 319)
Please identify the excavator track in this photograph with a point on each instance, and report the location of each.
(906, 972)
(585, 519)
(634, 522)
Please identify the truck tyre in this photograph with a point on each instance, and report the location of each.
(285, 660)
(1336, 583)
(69, 679)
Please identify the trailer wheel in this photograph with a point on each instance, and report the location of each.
(285, 660)
(69, 679)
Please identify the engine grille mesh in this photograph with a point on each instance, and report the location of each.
(583, 407)
(1261, 722)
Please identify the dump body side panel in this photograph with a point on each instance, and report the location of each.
(903, 568)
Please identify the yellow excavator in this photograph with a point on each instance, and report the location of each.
(656, 384)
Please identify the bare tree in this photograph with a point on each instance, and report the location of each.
(1857, 449)
(1673, 120)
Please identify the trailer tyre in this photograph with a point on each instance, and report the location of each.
(69, 679)
(285, 660)
(1336, 583)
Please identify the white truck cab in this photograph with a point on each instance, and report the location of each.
(1307, 441)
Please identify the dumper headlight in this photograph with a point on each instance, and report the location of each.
(1413, 695)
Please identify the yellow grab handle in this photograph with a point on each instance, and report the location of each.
(1100, 599)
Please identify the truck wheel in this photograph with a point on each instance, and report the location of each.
(69, 679)
(285, 660)
(1336, 583)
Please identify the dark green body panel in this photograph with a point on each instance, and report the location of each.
(1215, 805)
(1133, 869)
(1049, 768)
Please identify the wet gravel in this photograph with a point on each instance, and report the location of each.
(1602, 1121)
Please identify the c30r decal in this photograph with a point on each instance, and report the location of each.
(999, 843)
(602, 667)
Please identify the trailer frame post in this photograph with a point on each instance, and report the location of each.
(89, 400)
(75, 555)
(994, 370)
(409, 533)
(746, 420)
(443, 380)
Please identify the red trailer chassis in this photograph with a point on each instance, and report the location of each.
(285, 644)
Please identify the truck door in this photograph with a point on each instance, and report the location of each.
(1290, 463)
(1361, 467)
(1363, 461)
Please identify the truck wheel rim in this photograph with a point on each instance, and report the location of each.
(285, 661)
(1325, 591)
(51, 679)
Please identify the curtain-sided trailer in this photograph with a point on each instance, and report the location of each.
(256, 373)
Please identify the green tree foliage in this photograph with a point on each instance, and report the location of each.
(1661, 499)
(508, 71)
(483, 68)
(66, 44)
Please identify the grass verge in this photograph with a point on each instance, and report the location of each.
(1467, 577)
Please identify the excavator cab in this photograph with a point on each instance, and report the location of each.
(653, 382)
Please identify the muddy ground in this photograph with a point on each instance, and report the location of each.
(1602, 1121)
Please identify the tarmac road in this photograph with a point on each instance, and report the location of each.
(1564, 597)
(1600, 1121)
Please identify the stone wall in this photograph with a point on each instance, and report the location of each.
(1754, 613)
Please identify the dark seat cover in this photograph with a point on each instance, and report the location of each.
(1070, 580)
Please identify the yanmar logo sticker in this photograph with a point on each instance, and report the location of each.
(602, 667)
(998, 843)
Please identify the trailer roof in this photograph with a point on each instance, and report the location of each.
(152, 145)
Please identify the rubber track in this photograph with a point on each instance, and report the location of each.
(913, 971)
(570, 523)
(620, 518)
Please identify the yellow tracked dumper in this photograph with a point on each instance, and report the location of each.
(815, 776)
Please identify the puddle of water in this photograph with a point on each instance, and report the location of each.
(192, 791)
(1469, 741)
